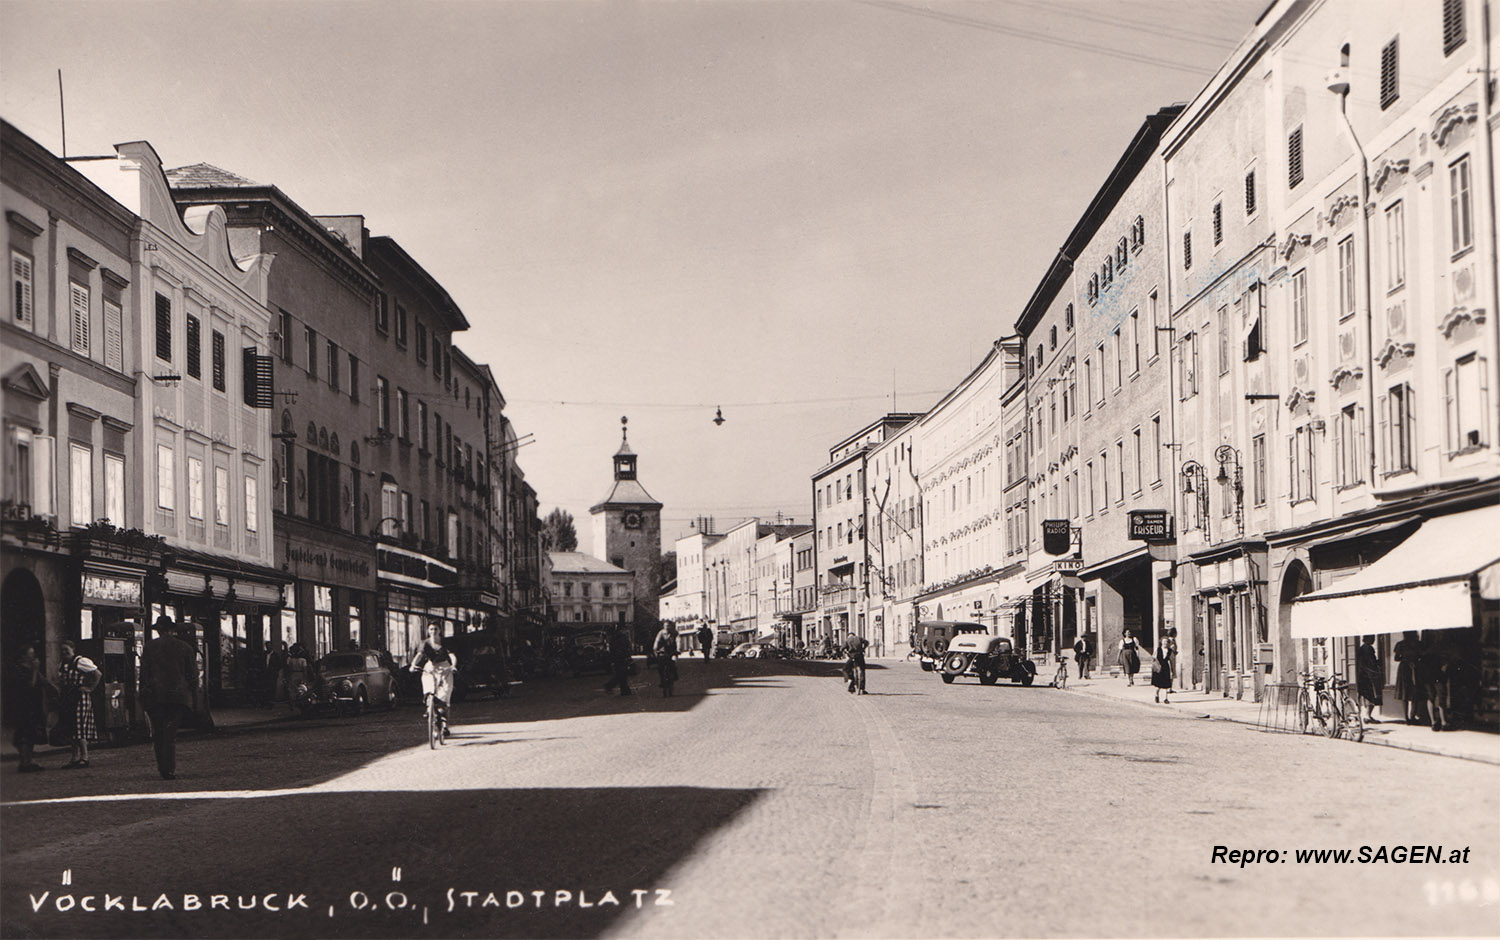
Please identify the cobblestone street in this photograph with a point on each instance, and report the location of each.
(768, 802)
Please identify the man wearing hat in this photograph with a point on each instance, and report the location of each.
(169, 679)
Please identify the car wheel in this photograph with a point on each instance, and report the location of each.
(956, 662)
(361, 702)
(948, 677)
(988, 678)
(1027, 678)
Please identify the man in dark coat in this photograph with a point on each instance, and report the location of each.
(706, 640)
(619, 660)
(169, 679)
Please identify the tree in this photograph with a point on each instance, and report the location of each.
(558, 533)
(663, 571)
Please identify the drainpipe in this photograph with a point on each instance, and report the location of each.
(1487, 149)
(1342, 90)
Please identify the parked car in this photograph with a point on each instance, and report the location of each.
(756, 649)
(991, 658)
(481, 665)
(352, 680)
(929, 641)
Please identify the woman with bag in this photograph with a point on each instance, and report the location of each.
(1162, 669)
(77, 678)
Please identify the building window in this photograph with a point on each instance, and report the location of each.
(1156, 448)
(353, 378)
(221, 496)
(1122, 255)
(1258, 469)
(114, 489)
(1250, 193)
(252, 503)
(437, 355)
(1104, 479)
(422, 425)
(382, 403)
(1187, 251)
(1093, 289)
(1294, 158)
(1189, 365)
(1460, 206)
(389, 507)
(1156, 331)
(217, 360)
(1135, 342)
(1088, 382)
(1218, 223)
(1068, 317)
(1453, 25)
(1397, 422)
(1395, 246)
(323, 618)
(400, 325)
(1107, 273)
(452, 534)
(78, 301)
(403, 427)
(1223, 332)
(163, 328)
(81, 483)
(166, 477)
(333, 365)
(193, 336)
(22, 306)
(405, 513)
(1349, 445)
(311, 336)
(382, 313)
(1138, 233)
(1052, 337)
(285, 339)
(1120, 470)
(1346, 278)
(1301, 452)
(1119, 358)
(421, 342)
(1140, 477)
(1467, 393)
(1390, 73)
(195, 487)
(1299, 307)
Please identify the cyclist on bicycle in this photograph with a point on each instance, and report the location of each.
(437, 664)
(854, 663)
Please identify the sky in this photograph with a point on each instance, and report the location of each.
(807, 214)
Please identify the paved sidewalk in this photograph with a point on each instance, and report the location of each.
(1465, 744)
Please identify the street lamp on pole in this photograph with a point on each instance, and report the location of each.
(1228, 457)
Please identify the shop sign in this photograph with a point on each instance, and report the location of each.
(100, 589)
(340, 564)
(417, 568)
(1150, 525)
(1068, 565)
(1057, 536)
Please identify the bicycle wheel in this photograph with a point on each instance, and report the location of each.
(1061, 681)
(1329, 714)
(1354, 719)
(1304, 710)
(434, 732)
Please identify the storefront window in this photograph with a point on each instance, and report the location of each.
(289, 618)
(354, 631)
(323, 618)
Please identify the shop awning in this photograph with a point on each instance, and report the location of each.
(1424, 583)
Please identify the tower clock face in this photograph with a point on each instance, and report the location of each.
(632, 520)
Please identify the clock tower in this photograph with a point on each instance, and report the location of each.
(627, 529)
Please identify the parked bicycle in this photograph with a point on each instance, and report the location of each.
(1327, 707)
(1060, 680)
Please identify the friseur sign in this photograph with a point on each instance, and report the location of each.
(1150, 525)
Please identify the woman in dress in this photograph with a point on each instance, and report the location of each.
(1130, 655)
(1162, 668)
(1408, 689)
(77, 678)
(30, 703)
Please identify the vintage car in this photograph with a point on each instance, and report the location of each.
(930, 639)
(481, 665)
(351, 681)
(756, 649)
(990, 658)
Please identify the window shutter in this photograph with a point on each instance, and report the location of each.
(1386, 440)
(218, 360)
(1484, 399)
(1450, 436)
(1453, 25)
(79, 304)
(42, 449)
(1390, 75)
(1362, 437)
(1294, 159)
(193, 336)
(1250, 193)
(1339, 466)
(20, 269)
(163, 328)
(1409, 430)
(114, 336)
(259, 371)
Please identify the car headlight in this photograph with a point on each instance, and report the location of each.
(344, 688)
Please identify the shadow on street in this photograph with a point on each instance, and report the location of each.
(581, 848)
